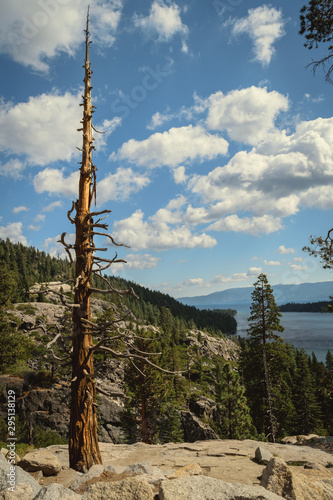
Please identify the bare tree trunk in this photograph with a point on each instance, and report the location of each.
(83, 443)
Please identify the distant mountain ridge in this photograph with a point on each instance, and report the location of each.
(303, 292)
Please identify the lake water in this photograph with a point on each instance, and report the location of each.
(312, 331)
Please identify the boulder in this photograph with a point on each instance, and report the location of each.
(262, 455)
(115, 469)
(140, 468)
(277, 477)
(94, 471)
(280, 479)
(127, 489)
(55, 491)
(42, 460)
(21, 480)
(194, 429)
(23, 491)
(208, 488)
(9, 455)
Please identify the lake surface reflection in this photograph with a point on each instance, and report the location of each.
(311, 331)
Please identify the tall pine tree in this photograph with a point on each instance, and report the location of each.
(264, 322)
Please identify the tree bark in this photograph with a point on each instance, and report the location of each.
(83, 442)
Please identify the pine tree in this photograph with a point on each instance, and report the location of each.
(233, 412)
(264, 321)
(308, 414)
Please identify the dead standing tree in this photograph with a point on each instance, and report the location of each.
(83, 441)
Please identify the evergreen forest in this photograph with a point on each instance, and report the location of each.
(265, 389)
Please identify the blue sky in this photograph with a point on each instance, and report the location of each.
(217, 157)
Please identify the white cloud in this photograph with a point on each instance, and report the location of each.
(164, 21)
(158, 119)
(247, 114)
(54, 119)
(137, 261)
(264, 25)
(13, 168)
(249, 225)
(34, 228)
(283, 250)
(39, 218)
(34, 31)
(13, 231)
(52, 180)
(52, 206)
(117, 186)
(173, 147)
(272, 263)
(273, 180)
(298, 267)
(156, 233)
(254, 271)
(121, 185)
(54, 248)
(179, 175)
(219, 279)
(107, 128)
(195, 282)
(19, 209)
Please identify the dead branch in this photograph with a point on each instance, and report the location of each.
(67, 247)
(93, 214)
(137, 368)
(111, 394)
(98, 131)
(136, 356)
(69, 213)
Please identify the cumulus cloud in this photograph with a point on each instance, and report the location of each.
(52, 180)
(247, 114)
(283, 250)
(54, 248)
(117, 186)
(137, 261)
(249, 225)
(173, 147)
(164, 20)
(276, 178)
(157, 233)
(120, 185)
(264, 25)
(55, 119)
(179, 175)
(13, 168)
(33, 32)
(13, 231)
(272, 263)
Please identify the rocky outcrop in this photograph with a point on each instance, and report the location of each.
(219, 469)
(211, 347)
(195, 429)
(127, 489)
(207, 488)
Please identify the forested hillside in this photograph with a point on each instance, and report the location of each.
(25, 266)
(221, 382)
(320, 307)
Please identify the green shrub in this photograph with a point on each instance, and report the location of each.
(43, 438)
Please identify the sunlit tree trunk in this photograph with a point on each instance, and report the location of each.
(83, 443)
